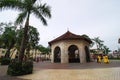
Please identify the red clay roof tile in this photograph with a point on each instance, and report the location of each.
(69, 36)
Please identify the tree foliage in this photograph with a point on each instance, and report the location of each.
(26, 8)
(44, 50)
(11, 37)
(100, 45)
(8, 38)
(98, 42)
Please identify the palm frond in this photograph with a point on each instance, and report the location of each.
(21, 17)
(41, 11)
(11, 4)
(45, 10)
(39, 16)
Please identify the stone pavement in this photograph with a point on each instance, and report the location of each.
(3, 76)
(72, 71)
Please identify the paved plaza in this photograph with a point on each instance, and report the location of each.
(71, 71)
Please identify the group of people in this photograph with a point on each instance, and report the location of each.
(104, 57)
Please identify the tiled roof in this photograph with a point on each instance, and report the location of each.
(69, 36)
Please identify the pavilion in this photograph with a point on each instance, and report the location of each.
(70, 48)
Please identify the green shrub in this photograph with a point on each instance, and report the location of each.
(17, 68)
(4, 61)
(27, 67)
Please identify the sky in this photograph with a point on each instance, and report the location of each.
(95, 18)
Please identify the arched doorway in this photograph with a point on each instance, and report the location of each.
(73, 54)
(87, 54)
(57, 55)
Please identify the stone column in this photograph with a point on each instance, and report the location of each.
(82, 55)
(64, 55)
(52, 55)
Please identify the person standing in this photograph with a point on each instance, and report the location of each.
(105, 59)
(99, 58)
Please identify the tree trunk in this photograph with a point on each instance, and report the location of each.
(24, 40)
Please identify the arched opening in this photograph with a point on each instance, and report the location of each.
(87, 54)
(73, 54)
(57, 55)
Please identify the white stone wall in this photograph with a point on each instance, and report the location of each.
(64, 45)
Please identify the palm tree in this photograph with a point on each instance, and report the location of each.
(106, 49)
(98, 42)
(101, 45)
(26, 8)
